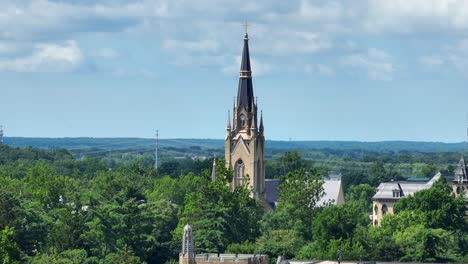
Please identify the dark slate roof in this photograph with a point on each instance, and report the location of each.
(245, 64)
(271, 191)
(245, 94)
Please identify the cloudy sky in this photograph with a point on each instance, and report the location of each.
(323, 70)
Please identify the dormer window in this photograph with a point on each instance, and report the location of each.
(396, 193)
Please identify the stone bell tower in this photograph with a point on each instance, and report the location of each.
(245, 141)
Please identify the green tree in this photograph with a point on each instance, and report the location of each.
(436, 206)
(298, 193)
(9, 250)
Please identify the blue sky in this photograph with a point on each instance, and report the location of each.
(365, 70)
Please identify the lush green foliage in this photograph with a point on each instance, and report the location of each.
(55, 208)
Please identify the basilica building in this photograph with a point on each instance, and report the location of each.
(245, 140)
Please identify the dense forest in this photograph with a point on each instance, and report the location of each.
(60, 207)
(184, 143)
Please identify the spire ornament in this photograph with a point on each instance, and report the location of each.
(213, 171)
(261, 120)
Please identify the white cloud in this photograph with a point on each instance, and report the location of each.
(105, 53)
(7, 48)
(375, 62)
(293, 42)
(201, 32)
(407, 16)
(452, 58)
(134, 73)
(320, 69)
(431, 61)
(203, 45)
(46, 58)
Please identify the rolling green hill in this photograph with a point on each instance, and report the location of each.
(145, 143)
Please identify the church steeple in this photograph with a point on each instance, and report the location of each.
(245, 143)
(245, 96)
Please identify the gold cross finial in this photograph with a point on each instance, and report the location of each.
(246, 25)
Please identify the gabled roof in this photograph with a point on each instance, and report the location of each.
(385, 189)
(271, 191)
(333, 192)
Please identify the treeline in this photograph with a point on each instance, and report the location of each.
(127, 214)
(57, 209)
(115, 143)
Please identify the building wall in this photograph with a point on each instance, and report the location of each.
(227, 259)
(249, 149)
(340, 199)
(460, 189)
(377, 210)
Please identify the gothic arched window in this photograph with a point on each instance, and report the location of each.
(239, 173)
(376, 209)
(242, 120)
(384, 209)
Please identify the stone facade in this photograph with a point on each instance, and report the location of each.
(245, 141)
(388, 193)
(225, 259)
(187, 254)
(460, 179)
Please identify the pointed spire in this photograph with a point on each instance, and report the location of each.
(213, 171)
(461, 172)
(229, 121)
(261, 120)
(253, 125)
(245, 63)
(462, 161)
(245, 94)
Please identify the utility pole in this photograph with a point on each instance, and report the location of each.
(1, 135)
(156, 151)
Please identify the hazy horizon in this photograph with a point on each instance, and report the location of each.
(221, 139)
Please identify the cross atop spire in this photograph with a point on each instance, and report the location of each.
(246, 26)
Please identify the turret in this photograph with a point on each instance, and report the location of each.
(188, 254)
(213, 171)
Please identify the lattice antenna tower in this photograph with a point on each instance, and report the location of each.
(156, 150)
(1, 135)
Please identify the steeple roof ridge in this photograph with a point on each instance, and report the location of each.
(245, 62)
(245, 96)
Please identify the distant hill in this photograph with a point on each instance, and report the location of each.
(144, 143)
